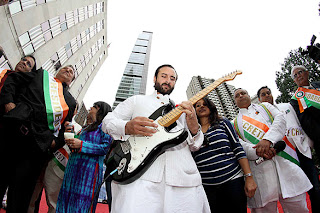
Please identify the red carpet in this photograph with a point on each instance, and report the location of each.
(103, 208)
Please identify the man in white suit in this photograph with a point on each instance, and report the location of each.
(172, 183)
(260, 127)
(300, 140)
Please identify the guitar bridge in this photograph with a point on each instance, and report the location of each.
(126, 147)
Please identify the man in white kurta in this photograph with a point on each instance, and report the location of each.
(294, 131)
(172, 183)
(301, 142)
(278, 179)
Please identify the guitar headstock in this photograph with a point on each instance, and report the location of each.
(232, 75)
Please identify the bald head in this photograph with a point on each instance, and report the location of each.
(242, 98)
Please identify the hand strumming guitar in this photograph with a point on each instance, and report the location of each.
(140, 126)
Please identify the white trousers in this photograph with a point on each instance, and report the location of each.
(297, 204)
(144, 197)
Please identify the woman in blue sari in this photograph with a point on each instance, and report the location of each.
(84, 171)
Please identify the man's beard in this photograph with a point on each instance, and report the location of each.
(161, 90)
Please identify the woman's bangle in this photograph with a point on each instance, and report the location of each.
(198, 132)
(247, 175)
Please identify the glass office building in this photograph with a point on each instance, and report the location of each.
(134, 79)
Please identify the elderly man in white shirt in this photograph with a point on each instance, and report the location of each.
(172, 183)
(278, 179)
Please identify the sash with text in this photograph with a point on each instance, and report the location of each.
(253, 130)
(57, 110)
(307, 98)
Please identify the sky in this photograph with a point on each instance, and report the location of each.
(207, 38)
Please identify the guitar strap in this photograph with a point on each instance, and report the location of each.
(172, 104)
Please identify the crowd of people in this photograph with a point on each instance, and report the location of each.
(212, 165)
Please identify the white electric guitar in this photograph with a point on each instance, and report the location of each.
(134, 156)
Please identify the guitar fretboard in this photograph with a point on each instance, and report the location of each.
(174, 114)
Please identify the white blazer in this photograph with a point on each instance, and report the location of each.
(295, 133)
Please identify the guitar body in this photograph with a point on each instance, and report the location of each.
(134, 156)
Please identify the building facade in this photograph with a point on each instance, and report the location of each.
(134, 79)
(222, 96)
(56, 33)
(255, 99)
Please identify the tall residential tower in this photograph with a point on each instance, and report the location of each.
(134, 79)
(222, 96)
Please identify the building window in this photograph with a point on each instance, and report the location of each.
(68, 50)
(62, 18)
(79, 41)
(47, 36)
(85, 12)
(63, 26)
(24, 38)
(4, 63)
(75, 16)
(15, 7)
(40, 2)
(45, 26)
(28, 49)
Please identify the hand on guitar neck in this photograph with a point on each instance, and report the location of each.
(191, 116)
(140, 126)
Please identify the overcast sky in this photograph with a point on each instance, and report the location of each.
(207, 38)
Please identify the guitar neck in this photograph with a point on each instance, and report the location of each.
(174, 114)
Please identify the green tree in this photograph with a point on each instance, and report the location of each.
(285, 83)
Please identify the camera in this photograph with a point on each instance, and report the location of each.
(313, 50)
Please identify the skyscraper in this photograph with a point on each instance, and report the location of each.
(222, 96)
(134, 79)
(56, 33)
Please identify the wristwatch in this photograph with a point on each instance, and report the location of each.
(247, 175)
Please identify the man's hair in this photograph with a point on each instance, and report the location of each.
(72, 67)
(297, 67)
(34, 68)
(264, 87)
(237, 90)
(165, 65)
